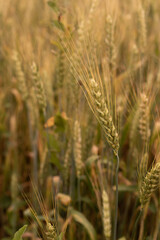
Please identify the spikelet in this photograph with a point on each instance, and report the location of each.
(149, 184)
(78, 148)
(39, 88)
(106, 215)
(20, 76)
(51, 232)
(110, 42)
(104, 117)
(142, 29)
(144, 118)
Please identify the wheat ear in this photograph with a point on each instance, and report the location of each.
(142, 29)
(20, 76)
(61, 68)
(106, 215)
(39, 88)
(110, 43)
(144, 118)
(149, 184)
(51, 232)
(104, 117)
(78, 148)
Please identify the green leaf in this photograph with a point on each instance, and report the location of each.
(91, 160)
(53, 143)
(80, 218)
(5, 201)
(60, 123)
(53, 5)
(125, 188)
(87, 201)
(55, 160)
(58, 25)
(57, 44)
(60, 237)
(19, 233)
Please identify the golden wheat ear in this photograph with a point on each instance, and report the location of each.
(106, 215)
(144, 118)
(20, 76)
(142, 29)
(104, 117)
(51, 232)
(39, 87)
(78, 148)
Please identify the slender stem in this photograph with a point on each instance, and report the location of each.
(116, 201)
(79, 194)
(136, 224)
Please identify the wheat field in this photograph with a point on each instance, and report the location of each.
(79, 120)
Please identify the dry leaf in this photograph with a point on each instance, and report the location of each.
(49, 123)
